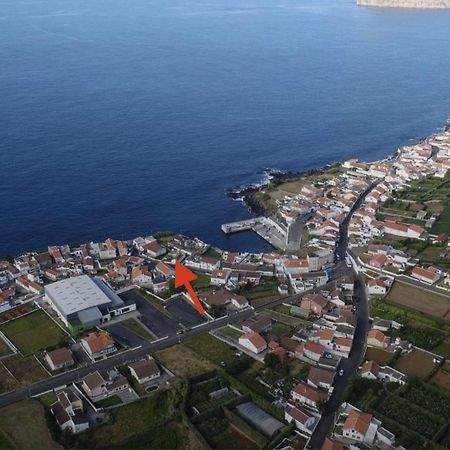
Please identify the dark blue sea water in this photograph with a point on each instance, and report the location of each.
(123, 117)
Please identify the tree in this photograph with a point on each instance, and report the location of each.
(271, 361)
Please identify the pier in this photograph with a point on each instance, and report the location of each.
(241, 225)
(276, 234)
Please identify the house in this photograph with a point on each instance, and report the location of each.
(373, 371)
(253, 342)
(378, 261)
(308, 395)
(220, 277)
(357, 425)
(257, 324)
(376, 286)
(417, 232)
(343, 345)
(313, 350)
(29, 286)
(145, 370)
(141, 277)
(153, 249)
(59, 359)
(165, 270)
(370, 370)
(222, 297)
(304, 420)
(376, 338)
(68, 412)
(295, 266)
(320, 378)
(315, 303)
(98, 344)
(102, 384)
(429, 275)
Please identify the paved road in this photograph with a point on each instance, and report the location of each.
(349, 365)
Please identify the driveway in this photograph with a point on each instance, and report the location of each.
(124, 336)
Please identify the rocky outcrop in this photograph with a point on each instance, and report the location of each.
(433, 4)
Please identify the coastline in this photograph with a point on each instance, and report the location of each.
(275, 177)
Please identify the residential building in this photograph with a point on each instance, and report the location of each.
(253, 342)
(102, 384)
(145, 370)
(60, 358)
(98, 344)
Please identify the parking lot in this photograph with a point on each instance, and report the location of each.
(180, 315)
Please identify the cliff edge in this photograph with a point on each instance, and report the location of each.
(432, 4)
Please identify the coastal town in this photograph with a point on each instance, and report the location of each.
(339, 338)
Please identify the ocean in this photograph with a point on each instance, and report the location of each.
(120, 118)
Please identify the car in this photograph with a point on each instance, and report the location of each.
(341, 372)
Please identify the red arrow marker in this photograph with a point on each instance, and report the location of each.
(184, 277)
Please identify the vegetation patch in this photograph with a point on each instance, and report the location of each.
(208, 346)
(183, 361)
(24, 424)
(26, 370)
(33, 332)
(134, 326)
(147, 423)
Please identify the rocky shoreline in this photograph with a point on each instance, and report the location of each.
(271, 177)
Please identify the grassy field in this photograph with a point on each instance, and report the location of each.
(443, 349)
(134, 326)
(280, 329)
(26, 370)
(4, 349)
(25, 425)
(183, 361)
(416, 363)
(424, 301)
(7, 382)
(109, 401)
(231, 332)
(282, 317)
(33, 332)
(442, 225)
(207, 346)
(5, 443)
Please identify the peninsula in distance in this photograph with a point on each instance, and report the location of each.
(225, 225)
(423, 4)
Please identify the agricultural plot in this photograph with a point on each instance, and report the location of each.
(412, 416)
(378, 355)
(426, 302)
(442, 377)
(417, 363)
(33, 332)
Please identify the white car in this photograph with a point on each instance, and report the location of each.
(341, 372)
